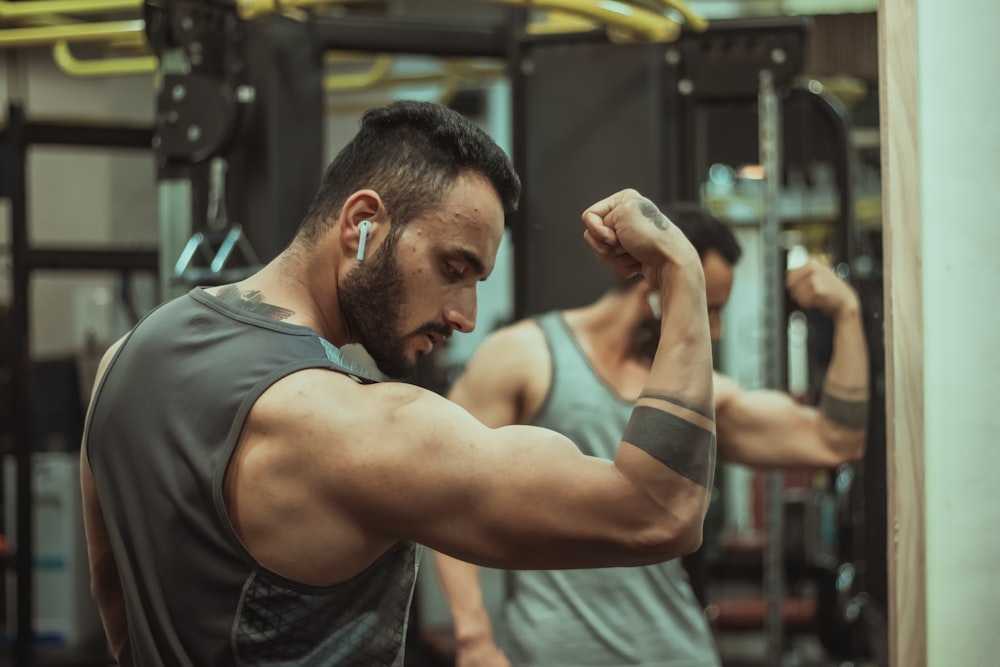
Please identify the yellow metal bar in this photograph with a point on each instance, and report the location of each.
(450, 81)
(72, 32)
(251, 9)
(695, 22)
(448, 78)
(378, 71)
(28, 8)
(70, 64)
(556, 22)
(627, 21)
(378, 76)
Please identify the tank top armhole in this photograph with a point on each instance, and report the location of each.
(544, 323)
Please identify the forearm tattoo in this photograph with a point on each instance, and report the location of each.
(685, 448)
(850, 413)
(252, 301)
(653, 213)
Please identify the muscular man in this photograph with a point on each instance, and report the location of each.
(578, 372)
(252, 497)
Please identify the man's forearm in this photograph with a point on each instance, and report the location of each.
(674, 419)
(844, 397)
(463, 592)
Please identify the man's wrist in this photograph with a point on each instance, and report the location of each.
(849, 310)
(473, 627)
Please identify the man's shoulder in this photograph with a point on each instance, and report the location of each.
(332, 410)
(517, 344)
(335, 388)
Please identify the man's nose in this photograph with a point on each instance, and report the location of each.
(461, 312)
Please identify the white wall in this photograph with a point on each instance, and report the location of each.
(959, 193)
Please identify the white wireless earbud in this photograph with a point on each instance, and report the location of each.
(654, 305)
(363, 227)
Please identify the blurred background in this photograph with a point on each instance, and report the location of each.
(148, 147)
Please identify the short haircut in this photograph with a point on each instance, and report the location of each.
(704, 230)
(410, 153)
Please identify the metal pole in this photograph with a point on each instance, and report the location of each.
(519, 68)
(21, 388)
(769, 119)
(174, 194)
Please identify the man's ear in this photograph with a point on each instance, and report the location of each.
(362, 220)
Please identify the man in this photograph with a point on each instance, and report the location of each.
(578, 372)
(252, 497)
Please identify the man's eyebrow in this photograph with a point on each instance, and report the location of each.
(474, 262)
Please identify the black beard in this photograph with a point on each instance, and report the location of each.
(371, 301)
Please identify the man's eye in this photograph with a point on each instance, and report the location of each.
(455, 273)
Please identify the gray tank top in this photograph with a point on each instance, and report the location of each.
(159, 436)
(645, 616)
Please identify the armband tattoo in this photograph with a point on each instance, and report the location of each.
(849, 413)
(708, 414)
(685, 448)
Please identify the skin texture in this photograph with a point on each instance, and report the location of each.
(328, 474)
(508, 378)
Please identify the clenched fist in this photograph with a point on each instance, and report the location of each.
(815, 285)
(633, 236)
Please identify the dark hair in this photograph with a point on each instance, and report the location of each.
(704, 230)
(410, 153)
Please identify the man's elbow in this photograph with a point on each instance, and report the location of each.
(847, 448)
(838, 443)
(665, 541)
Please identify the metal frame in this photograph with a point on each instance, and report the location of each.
(16, 138)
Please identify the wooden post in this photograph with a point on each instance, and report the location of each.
(904, 335)
(941, 187)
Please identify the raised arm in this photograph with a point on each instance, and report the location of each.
(770, 429)
(391, 461)
(522, 497)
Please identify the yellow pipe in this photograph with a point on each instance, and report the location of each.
(445, 77)
(560, 23)
(251, 9)
(73, 32)
(70, 64)
(378, 77)
(695, 22)
(451, 83)
(625, 20)
(34, 7)
(378, 71)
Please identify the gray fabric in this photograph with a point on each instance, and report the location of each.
(645, 616)
(162, 430)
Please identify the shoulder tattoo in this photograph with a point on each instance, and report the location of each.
(252, 301)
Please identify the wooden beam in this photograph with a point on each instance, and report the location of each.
(904, 344)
